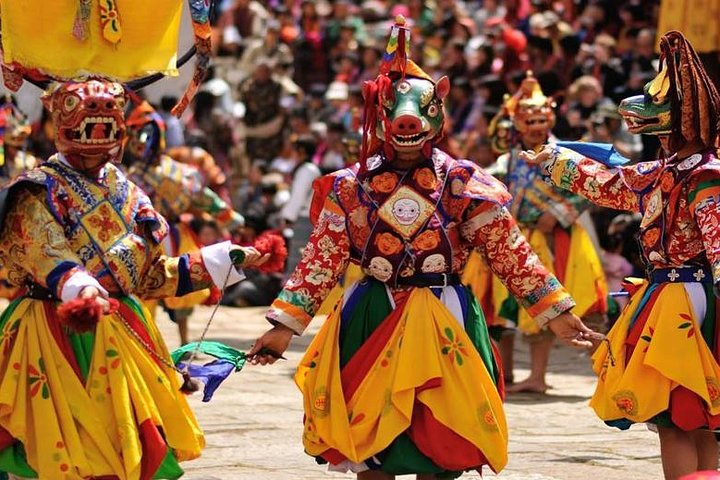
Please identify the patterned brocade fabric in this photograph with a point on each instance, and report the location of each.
(57, 222)
(426, 220)
(678, 198)
(532, 196)
(176, 188)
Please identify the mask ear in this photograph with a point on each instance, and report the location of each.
(442, 87)
(47, 101)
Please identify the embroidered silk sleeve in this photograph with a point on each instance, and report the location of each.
(33, 246)
(607, 187)
(568, 208)
(325, 258)
(493, 232)
(178, 276)
(564, 205)
(704, 202)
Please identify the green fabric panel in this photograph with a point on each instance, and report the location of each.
(403, 458)
(510, 309)
(215, 349)
(370, 311)
(708, 327)
(82, 345)
(477, 330)
(169, 469)
(8, 312)
(12, 460)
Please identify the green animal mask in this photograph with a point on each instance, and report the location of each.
(412, 113)
(650, 113)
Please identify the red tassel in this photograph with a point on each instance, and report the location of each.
(274, 244)
(82, 314)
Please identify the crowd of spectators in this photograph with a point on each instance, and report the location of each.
(284, 93)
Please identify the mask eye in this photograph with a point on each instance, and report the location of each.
(657, 100)
(120, 103)
(433, 110)
(70, 102)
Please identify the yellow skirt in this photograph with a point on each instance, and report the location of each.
(75, 429)
(479, 278)
(584, 276)
(657, 354)
(425, 357)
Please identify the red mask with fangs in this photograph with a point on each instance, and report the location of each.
(89, 122)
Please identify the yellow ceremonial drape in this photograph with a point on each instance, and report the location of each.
(696, 19)
(39, 34)
(670, 352)
(584, 276)
(422, 347)
(73, 431)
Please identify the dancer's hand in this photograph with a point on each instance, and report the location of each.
(250, 257)
(537, 158)
(95, 294)
(572, 331)
(270, 347)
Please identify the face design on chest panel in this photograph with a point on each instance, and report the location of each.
(406, 211)
(381, 269)
(435, 263)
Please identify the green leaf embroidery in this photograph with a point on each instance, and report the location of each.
(449, 334)
(685, 325)
(458, 358)
(647, 338)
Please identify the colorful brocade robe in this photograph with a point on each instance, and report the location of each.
(176, 188)
(425, 220)
(678, 199)
(58, 222)
(532, 196)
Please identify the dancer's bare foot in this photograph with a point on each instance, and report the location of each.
(528, 386)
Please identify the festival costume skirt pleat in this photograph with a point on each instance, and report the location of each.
(660, 363)
(93, 405)
(574, 261)
(405, 383)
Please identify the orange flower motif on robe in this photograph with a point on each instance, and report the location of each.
(453, 347)
(425, 178)
(388, 244)
(428, 240)
(37, 380)
(384, 183)
(626, 402)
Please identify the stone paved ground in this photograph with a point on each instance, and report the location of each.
(253, 422)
